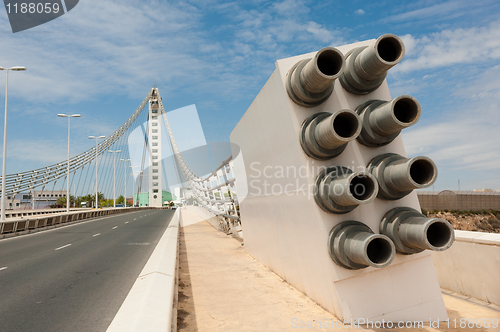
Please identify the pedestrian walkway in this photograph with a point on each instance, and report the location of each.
(221, 288)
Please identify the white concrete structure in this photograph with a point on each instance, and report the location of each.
(286, 230)
(471, 266)
(154, 139)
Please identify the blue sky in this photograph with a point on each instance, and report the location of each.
(102, 58)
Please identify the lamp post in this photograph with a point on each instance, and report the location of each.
(125, 175)
(133, 184)
(4, 161)
(114, 175)
(96, 157)
(68, 197)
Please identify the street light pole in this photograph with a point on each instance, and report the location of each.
(125, 175)
(133, 184)
(96, 164)
(114, 175)
(68, 197)
(4, 161)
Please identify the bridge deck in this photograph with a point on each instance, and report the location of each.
(221, 288)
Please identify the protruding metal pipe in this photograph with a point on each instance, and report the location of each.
(383, 121)
(397, 114)
(412, 232)
(366, 67)
(310, 81)
(340, 190)
(409, 174)
(325, 135)
(375, 60)
(353, 245)
(397, 176)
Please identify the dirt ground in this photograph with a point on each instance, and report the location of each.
(479, 221)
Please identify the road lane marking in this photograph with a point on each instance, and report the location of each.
(3, 268)
(63, 247)
(96, 234)
(126, 222)
(135, 219)
(115, 227)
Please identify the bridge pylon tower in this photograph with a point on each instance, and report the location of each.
(155, 143)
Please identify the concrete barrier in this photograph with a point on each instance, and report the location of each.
(205, 214)
(471, 266)
(16, 226)
(149, 304)
(28, 213)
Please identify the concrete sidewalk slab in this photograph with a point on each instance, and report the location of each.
(221, 288)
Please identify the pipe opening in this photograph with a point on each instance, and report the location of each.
(330, 62)
(379, 251)
(389, 49)
(422, 171)
(405, 110)
(438, 234)
(362, 187)
(346, 125)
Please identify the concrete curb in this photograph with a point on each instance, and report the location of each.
(149, 304)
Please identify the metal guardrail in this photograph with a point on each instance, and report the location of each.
(33, 223)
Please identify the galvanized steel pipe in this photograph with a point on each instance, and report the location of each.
(397, 176)
(310, 81)
(353, 245)
(383, 121)
(412, 232)
(366, 67)
(340, 190)
(325, 135)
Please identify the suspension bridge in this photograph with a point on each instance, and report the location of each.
(139, 144)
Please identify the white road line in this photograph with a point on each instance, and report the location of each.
(115, 227)
(96, 234)
(63, 247)
(126, 222)
(3, 268)
(135, 219)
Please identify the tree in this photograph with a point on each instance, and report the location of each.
(61, 201)
(90, 199)
(120, 200)
(87, 199)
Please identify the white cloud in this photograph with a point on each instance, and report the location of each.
(291, 8)
(451, 47)
(359, 12)
(440, 11)
(466, 135)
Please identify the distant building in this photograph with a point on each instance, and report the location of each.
(144, 198)
(39, 200)
(484, 190)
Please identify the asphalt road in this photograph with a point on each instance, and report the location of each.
(75, 278)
